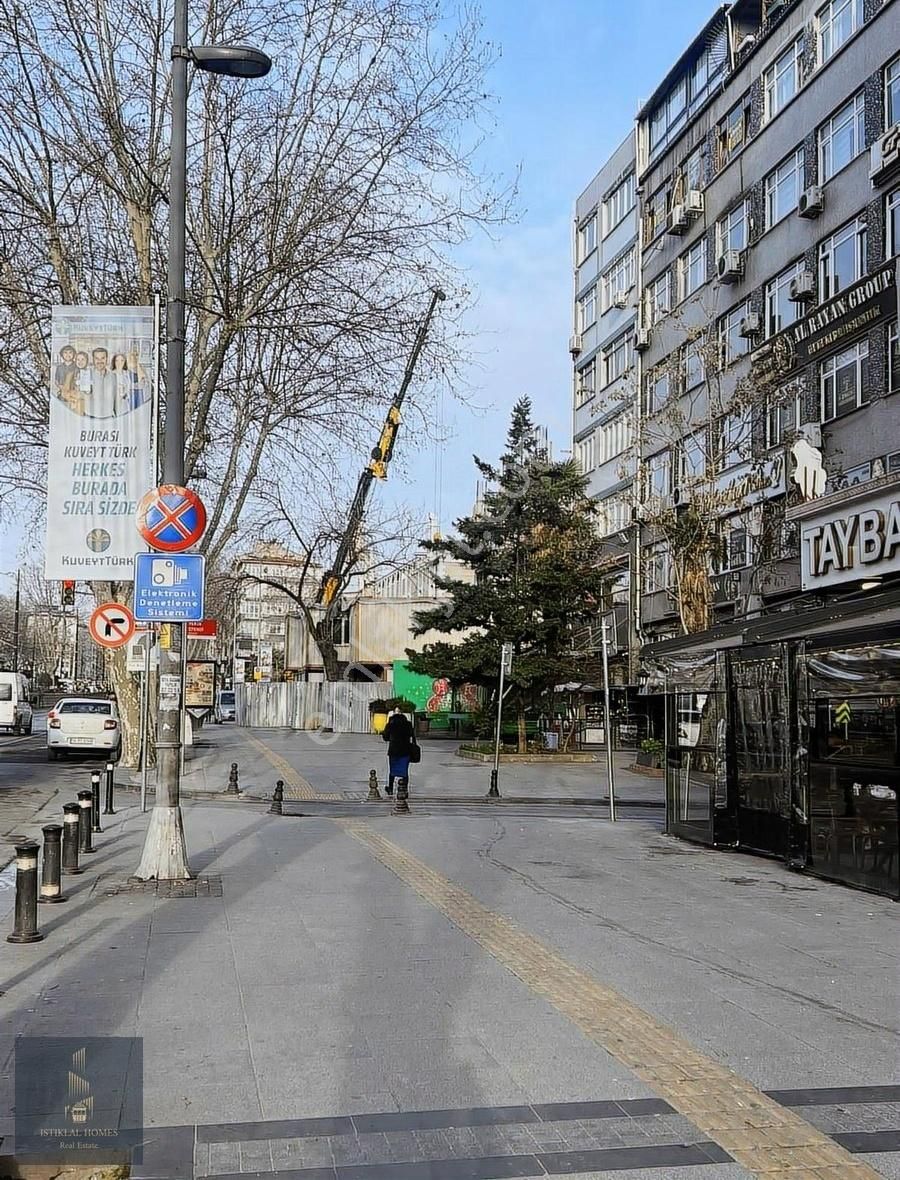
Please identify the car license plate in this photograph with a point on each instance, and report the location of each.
(80, 741)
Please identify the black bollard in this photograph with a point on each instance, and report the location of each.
(25, 922)
(494, 790)
(233, 788)
(110, 789)
(51, 866)
(374, 793)
(277, 799)
(95, 801)
(84, 822)
(71, 812)
(401, 807)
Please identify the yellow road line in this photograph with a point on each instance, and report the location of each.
(296, 786)
(767, 1139)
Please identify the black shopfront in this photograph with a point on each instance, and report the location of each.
(788, 745)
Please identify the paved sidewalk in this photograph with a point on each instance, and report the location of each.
(437, 997)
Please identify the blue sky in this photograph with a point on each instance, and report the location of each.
(570, 79)
(568, 83)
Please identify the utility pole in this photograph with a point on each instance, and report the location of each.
(164, 856)
(16, 624)
(610, 770)
(506, 655)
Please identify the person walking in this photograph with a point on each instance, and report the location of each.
(398, 733)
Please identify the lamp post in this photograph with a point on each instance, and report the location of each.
(164, 855)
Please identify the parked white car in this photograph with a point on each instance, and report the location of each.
(84, 725)
(15, 704)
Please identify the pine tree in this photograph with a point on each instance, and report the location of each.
(532, 545)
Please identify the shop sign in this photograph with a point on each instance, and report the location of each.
(748, 485)
(826, 328)
(884, 155)
(862, 541)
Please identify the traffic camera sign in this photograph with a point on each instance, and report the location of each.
(111, 625)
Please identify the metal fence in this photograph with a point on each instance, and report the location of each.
(341, 705)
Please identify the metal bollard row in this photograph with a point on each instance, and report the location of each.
(63, 845)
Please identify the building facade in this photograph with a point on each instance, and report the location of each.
(257, 629)
(766, 526)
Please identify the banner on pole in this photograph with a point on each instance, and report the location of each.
(102, 376)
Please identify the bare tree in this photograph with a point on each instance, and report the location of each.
(701, 424)
(321, 210)
(386, 540)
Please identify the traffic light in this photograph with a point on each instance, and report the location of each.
(68, 594)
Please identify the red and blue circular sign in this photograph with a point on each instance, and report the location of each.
(171, 518)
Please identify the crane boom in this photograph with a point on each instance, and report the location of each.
(377, 466)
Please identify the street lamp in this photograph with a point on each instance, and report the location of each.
(164, 856)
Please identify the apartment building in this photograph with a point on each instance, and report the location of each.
(256, 632)
(605, 257)
(767, 433)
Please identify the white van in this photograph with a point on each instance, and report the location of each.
(15, 705)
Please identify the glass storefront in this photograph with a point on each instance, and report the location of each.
(854, 780)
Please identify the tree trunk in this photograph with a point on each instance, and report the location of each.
(520, 722)
(127, 688)
(324, 636)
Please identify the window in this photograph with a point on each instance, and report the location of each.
(781, 310)
(731, 230)
(669, 114)
(694, 366)
(783, 189)
(618, 204)
(731, 343)
(659, 474)
(693, 457)
(658, 567)
(585, 382)
(656, 389)
(838, 20)
(655, 211)
(737, 545)
(843, 380)
(616, 358)
(732, 132)
(892, 223)
(587, 237)
(614, 515)
(618, 280)
(842, 259)
(615, 437)
(893, 358)
(692, 269)
(842, 138)
(892, 93)
(92, 708)
(584, 453)
(781, 80)
(657, 299)
(734, 438)
(587, 309)
(782, 415)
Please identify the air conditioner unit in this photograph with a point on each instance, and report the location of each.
(681, 497)
(575, 344)
(620, 300)
(642, 339)
(750, 324)
(694, 202)
(730, 266)
(812, 202)
(802, 288)
(679, 221)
